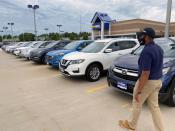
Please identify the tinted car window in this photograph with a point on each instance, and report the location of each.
(94, 47)
(126, 44)
(83, 45)
(44, 45)
(114, 47)
(63, 44)
(166, 44)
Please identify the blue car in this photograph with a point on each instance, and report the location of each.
(123, 74)
(54, 57)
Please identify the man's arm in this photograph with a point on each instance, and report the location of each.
(142, 81)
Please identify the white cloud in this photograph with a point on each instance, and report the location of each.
(67, 12)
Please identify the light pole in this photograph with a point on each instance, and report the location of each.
(2, 34)
(46, 29)
(59, 27)
(5, 28)
(11, 26)
(34, 7)
(168, 18)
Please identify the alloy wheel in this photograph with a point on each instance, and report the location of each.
(95, 73)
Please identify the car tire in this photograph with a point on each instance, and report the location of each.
(44, 60)
(93, 73)
(171, 94)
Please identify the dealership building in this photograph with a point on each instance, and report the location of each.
(105, 27)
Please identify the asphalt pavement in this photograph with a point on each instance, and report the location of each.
(36, 97)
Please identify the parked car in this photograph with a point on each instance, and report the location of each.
(54, 57)
(39, 55)
(12, 48)
(4, 46)
(8, 47)
(96, 57)
(18, 50)
(36, 44)
(123, 74)
(1, 44)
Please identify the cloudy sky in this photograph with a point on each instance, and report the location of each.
(68, 12)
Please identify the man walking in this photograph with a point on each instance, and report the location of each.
(149, 83)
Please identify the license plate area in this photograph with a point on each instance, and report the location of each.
(122, 85)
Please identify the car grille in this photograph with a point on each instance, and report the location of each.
(64, 63)
(126, 74)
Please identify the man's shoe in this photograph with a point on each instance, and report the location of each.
(125, 124)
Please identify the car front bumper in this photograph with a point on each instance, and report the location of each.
(114, 80)
(54, 62)
(73, 70)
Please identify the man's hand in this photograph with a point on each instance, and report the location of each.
(138, 97)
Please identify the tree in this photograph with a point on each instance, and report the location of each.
(73, 36)
(26, 37)
(1, 38)
(54, 36)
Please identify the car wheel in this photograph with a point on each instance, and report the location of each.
(171, 99)
(93, 73)
(44, 61)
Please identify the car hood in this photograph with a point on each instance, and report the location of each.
(61, 52)
(80, 55)
(131, 62)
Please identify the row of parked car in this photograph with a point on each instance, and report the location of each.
(89, 58)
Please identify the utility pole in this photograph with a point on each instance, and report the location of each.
(46, 29)
(59, 27)
(168, 18)
(80, 24)
(11, 26)
(34, 7)
(5, 28)
(2, 34)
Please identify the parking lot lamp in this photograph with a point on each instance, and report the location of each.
(34, 7)
(168, 18)
(59, 27)
(2, 34)
(46, 29)
(11, 26)
(5, 28)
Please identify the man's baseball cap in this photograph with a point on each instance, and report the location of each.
(150, 32)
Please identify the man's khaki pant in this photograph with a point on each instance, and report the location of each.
(150, 94)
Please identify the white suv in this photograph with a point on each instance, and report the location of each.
(96, 57)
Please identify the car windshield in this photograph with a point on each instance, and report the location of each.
(37, 44)
(44, 45)
(166, 44)
(20, 44)
(51, 44)
(25, 44)
(72, 45)
(29, 44)
(94, 47)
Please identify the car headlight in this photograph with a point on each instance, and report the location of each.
(166, 70)
(76, 61)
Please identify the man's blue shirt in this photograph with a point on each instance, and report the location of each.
(151, 59)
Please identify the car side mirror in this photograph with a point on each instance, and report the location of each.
(132, 52)
(79, 49)
(108, 50)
